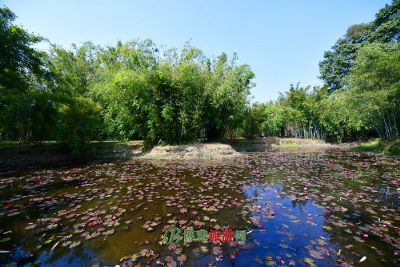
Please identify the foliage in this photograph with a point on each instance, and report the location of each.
(302, 112)
(251, 126)
(129, 91)
(393, 148)
(172, 99)
(18, 60)
(385, 28)
(373, 145)
(135, 90)
(339, 118)
(379, 146)
(23, 110)
(361, 95)
(375, 81)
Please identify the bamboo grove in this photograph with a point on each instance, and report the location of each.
(132, 90)
(361, 93)
(136, 90)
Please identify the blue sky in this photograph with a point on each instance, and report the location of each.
(282, 40)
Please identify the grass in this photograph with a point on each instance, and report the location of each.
(379, 146)
(375, 145)
(393, 148)
(289, 143)
(298, 142)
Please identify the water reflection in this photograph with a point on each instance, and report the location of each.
(301, 209)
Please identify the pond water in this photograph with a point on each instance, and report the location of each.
(327, 208)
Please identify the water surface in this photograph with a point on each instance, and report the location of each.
(327, 208)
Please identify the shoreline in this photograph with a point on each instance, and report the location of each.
(17, 157)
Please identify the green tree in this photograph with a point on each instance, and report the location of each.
(78, 116)
(375, 80)
(25, 102)
(337, 62)
(385, 28)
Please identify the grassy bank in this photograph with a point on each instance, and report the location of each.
(14, 155)
(380, 146)
(277, 143)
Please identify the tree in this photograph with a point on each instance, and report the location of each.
(176, 98)
(78, 116)
(227, 90)
(375, 78)
(385, 28)
(17, 57)
(25, 103)
(337, 62)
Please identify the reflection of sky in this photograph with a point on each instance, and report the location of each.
(67, 260)
(295, 237)
(274, 239)
(277, 241)
(48, 258)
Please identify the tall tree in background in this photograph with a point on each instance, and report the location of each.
(337, 62)
(375, 81)
(385, 28)
(78, 118)
(17, 58)
(24, 102)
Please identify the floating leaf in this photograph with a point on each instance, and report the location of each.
(316, 254)
(5, 239)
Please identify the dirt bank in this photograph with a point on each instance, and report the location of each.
(193, 151)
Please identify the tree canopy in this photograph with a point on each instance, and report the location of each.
(385, 28)
(136, 90)
(132, 90)
(360, 95)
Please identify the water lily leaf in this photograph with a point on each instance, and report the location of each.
(48, 241)
(316, 254)
(55, 245)
(309, 261)
(358, 239)
(5, 239)
(75, 244)
(29, 227)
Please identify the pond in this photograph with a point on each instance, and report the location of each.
(326, 208)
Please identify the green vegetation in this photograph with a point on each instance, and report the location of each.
(379, 146)
(374, 145)
(361, 94)
(135, 90)
(129, 91)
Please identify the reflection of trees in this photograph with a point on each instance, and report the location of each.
(348, 200)
(299, 203)
(389, 196)
(352, 249)
(77, 256)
